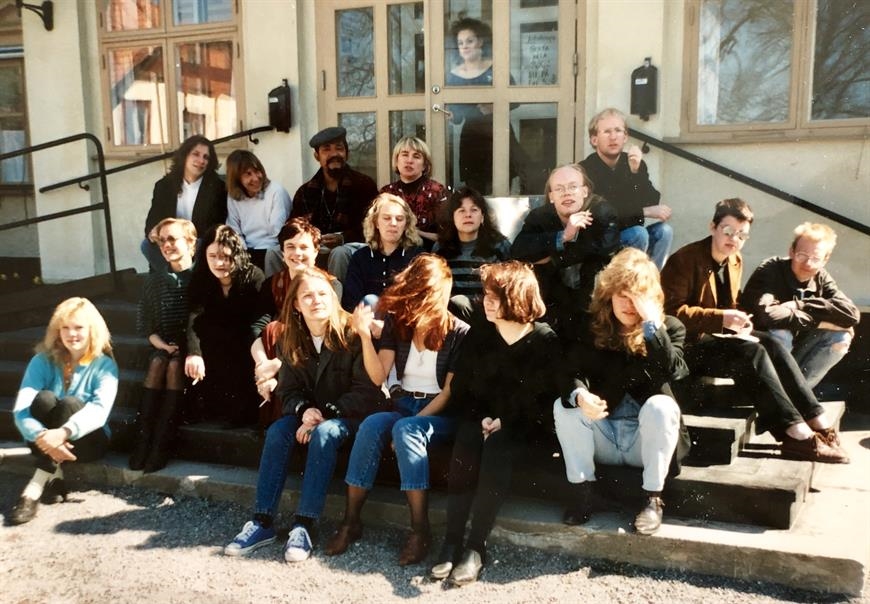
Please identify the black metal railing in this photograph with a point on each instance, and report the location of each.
(101, 174)
(752, 182)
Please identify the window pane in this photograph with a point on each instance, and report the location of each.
(407, 123)
(193, 12)
(468, 43)
(841, 68)
(355, 52)
(361, 141)
(469, 146)
(13, 136)
(532, 146)
(407, 57)
(131, 15)
(137, 95)
(744, 61)
(534, 45)
(207, 95)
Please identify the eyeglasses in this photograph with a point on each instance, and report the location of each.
(570, 189)
(803, 258)
(732, 233)
(613, 132)
(170, 240)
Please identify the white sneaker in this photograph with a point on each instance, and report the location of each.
(298, 548)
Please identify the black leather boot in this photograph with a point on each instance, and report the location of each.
(145, 421)
(164, 432)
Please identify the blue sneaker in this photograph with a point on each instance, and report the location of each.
(298, 546)
(253, 536)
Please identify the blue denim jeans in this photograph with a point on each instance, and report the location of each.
(411, 434)
(655, 240)
(326, 438)
(815, 350)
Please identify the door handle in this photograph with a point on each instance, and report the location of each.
(439, 109)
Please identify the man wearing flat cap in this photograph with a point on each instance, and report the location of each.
(335, 200)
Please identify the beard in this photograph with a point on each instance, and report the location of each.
(333, 170)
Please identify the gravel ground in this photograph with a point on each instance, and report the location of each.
(123, 545)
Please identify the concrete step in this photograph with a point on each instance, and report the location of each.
(718, 435)
(120, 315)
(825, 550)
(131, 351)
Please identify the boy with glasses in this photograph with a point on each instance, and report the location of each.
(621, 178)
(701, 282)
(799, 303)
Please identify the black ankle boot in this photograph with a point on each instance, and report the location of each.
(579, 509)
(145, 419)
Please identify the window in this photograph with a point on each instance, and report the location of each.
(171, 69)
(13, 118)
(796, 66)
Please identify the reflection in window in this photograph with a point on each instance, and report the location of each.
(355, 52)
(744, 61)
(206, 95)
(534, 44)
(132, 15)
(407, 123)
(841, 88)
(533, 150)
(469, 146)
(195, 12)
(361, 141)
(468, 43)
(137, 91)
(13, 122)
(407, 58)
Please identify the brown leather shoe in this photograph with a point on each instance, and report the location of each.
(342, 538)
(812, 449)
(649, 519)
(416, 548)
(831, 437)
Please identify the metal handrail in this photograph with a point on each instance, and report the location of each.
(148, 160)
(104, 205)
(752, 182)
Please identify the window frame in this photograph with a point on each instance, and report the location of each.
(799, 124)
(168, 36)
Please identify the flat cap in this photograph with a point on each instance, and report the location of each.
(327, 135)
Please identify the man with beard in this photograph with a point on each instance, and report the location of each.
(622, 178)
(335, 200)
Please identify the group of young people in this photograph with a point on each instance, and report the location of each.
(430, 327)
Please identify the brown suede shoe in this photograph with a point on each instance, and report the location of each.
(812, 449)
(830, 437)
(416, 548)
(342, 538)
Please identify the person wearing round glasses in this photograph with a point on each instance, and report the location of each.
(701, 282)
(798, 301)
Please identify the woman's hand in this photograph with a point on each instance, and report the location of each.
(591, 405)
(362, 319)
(266, 370)
(194, 367)
(310, 419)
(647, 308)
(54, 444)
(490, 425)
(267, 387)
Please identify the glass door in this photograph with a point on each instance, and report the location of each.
(497, 110)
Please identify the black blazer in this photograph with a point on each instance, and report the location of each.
(209, 209)
(336, 383)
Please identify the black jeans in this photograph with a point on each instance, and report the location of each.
(766, 371)
(480, 477)
(54, 412)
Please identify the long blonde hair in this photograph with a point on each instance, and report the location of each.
(410, 236)
(295, 343)
(99, 338)
(633, 272)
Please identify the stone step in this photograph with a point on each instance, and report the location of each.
(718, 435)
(825, 551)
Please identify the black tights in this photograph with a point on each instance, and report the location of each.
(53, 412)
